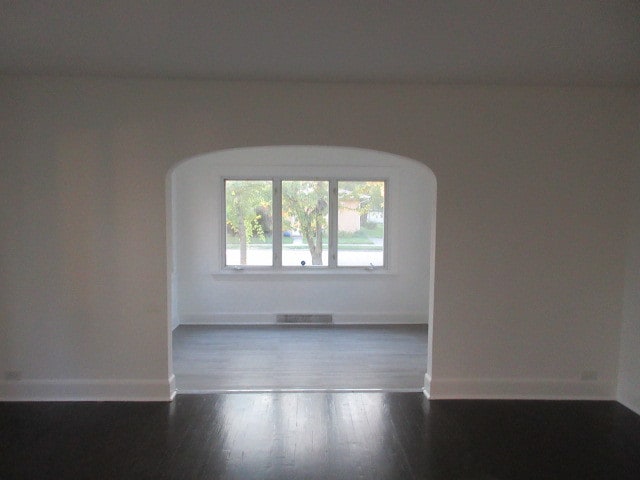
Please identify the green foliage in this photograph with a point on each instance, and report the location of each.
(305, 207)
(370, 195)
(246, 202)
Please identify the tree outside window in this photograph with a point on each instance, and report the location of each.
(304, 223)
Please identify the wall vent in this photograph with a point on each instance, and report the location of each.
(304, 318)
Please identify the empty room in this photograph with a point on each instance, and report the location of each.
(283, 239)
(304, 308)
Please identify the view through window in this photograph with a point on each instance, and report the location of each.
(318, 223)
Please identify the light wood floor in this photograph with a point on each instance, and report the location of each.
(225, 358)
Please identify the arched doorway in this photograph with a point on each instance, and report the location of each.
(204, 289)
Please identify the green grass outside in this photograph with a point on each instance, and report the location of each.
(360, 240)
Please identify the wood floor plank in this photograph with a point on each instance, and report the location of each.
(222, 358)
(319, 435)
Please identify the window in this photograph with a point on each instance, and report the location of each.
(319, 223)
(305, 222)
(249, 222)
(360, 224)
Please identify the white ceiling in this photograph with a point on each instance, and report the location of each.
(584, 42)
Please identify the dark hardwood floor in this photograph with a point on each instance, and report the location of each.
(210, 358)
(314, 435)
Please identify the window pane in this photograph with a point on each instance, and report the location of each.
(360, 224)
(249, 222)
(305, 220)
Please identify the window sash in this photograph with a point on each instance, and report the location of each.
(277, 225)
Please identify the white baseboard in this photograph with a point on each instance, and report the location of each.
(227, 319)
(270, 318)
(517, 389)
(380, 318)
(75, 390)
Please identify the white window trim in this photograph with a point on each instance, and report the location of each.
(277, 269)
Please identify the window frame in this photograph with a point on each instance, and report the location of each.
(332, 244)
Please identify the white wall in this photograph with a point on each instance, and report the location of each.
(629, 367)
(532, 208)
(206, 293)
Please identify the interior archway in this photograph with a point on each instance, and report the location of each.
(202, 292)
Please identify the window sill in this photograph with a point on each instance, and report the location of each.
(232, 273)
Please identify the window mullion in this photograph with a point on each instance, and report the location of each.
(333, 223)
(277, 223)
